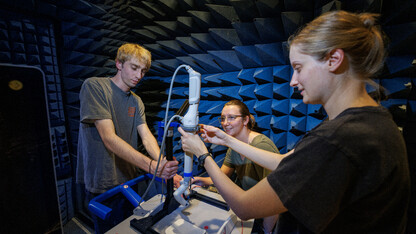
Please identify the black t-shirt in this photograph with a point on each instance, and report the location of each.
(347, 175)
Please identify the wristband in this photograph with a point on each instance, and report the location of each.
(201, 159)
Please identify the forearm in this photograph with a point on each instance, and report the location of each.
(152, 147)
(125, 151)
(202, 181)
(257, 202)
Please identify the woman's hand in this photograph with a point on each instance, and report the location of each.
(214, 135)
(192, 143)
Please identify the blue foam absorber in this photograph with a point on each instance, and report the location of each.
(263, 107)
(396, 85)
(213, 92)
(281, 74)
(75, 57)
(281, 91)
(270, 29)
(399, 63)
(158, 69)
(263, 122)
(402, 37)
(20, 48)
(211, 107)
(158, 51)
(191, 62)
(226, 38)
(172, 27)
(246, 76)
(411, 104)
(317, 111)
(203, 19)
(205, 41)
(292, 139)
(292, 20)
(230, 92)
(370, 88)
(172, 47)
(33, 60)
(177, 149)
(271, 54)
(266, 132)
(180, 79)
(297, 108)
(223, 14)
(213, 79)
(188, 24)
(189, 45)
(294, 93)
(178, 92)
(297, 125)
(226, 59)
(209, 120)
(247, 91)
(230, 78)
(280, 107)
(5, 56)
(279, 123)
(247, 32)
(170, 64)
(158, 31)
(280, 140)
(394, 102)
(206, 61)
(248, 56)
(245, 9)
(264, 91)
(16, 36)
(70, 70)
(174, 103)
(264, 75)
(205, 119)
(161, 114)
(311, 122)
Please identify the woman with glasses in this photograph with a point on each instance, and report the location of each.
(237, 121)
(349, 174)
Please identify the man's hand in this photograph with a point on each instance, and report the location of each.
(177, 181)
(166, 170)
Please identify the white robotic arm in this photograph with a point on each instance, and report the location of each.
(190, 125)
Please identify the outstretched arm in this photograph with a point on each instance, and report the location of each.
(257, 202)
(262, 157)
(125, 151)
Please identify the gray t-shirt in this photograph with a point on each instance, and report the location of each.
(248, 172)
(98, 168)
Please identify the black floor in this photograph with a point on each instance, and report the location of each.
(76, 226)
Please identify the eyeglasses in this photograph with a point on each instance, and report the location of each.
(229, 118)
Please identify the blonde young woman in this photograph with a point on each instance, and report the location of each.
(350, 173)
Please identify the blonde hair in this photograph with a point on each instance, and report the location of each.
(356, 34)
(129, 50)
(244, 112)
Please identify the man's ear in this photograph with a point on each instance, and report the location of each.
(119, 65)
(336, 59)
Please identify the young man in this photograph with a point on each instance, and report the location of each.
(112, 117)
